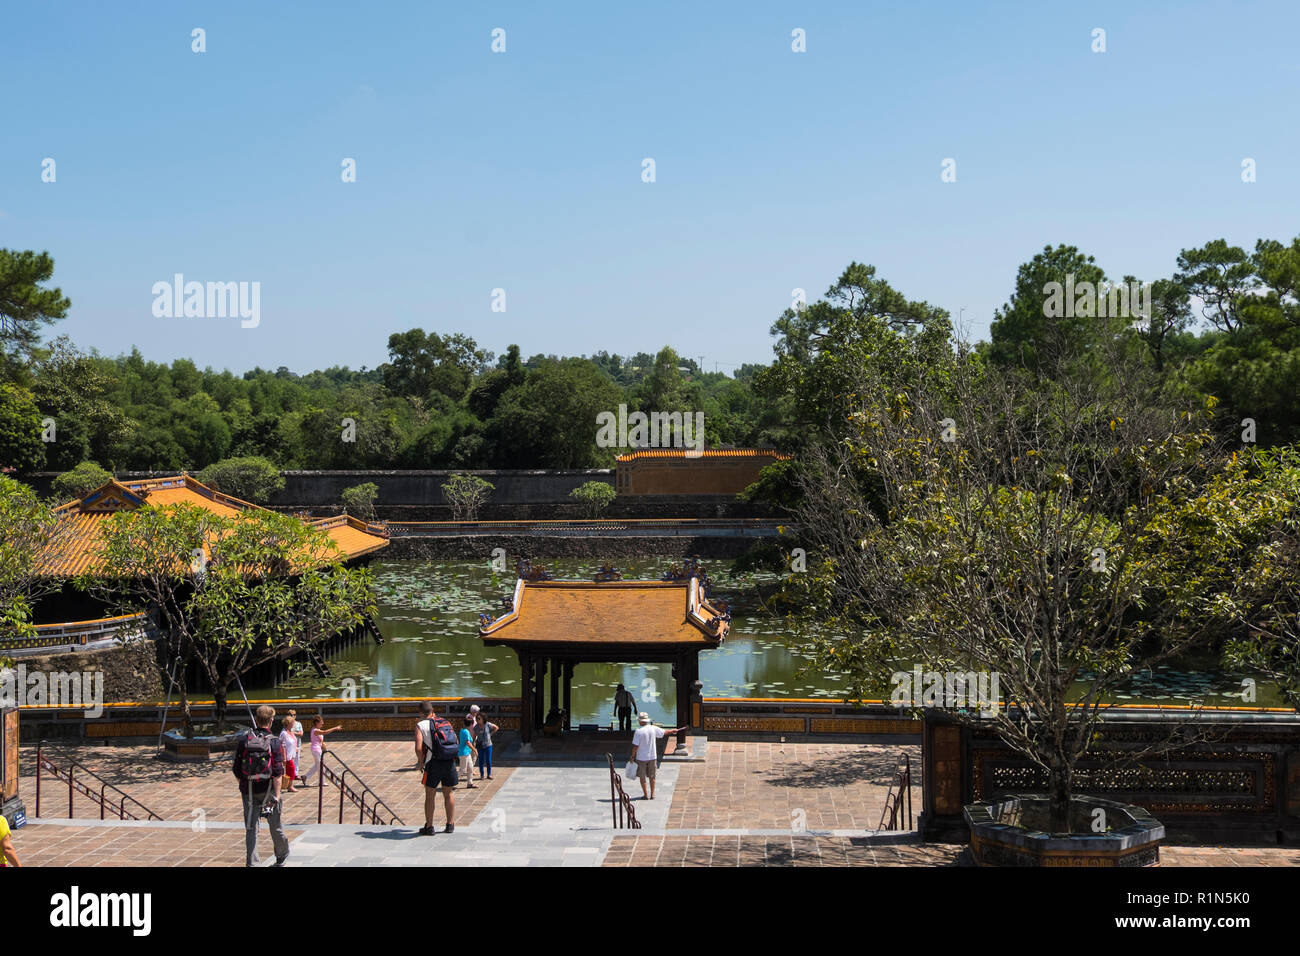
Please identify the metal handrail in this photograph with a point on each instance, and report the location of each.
(358, 799)
(76, 786)
(620, 802)
(894, 798)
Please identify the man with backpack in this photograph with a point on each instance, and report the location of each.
(259, 764)
(437, 747)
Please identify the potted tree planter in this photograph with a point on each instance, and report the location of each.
(1016, 831)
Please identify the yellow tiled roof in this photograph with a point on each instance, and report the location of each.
(706, 453)
(78, 541)
(608, 612)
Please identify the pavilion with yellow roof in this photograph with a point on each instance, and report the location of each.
(554, 625)
(78, 546)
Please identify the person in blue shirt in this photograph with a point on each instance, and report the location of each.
(468, 752)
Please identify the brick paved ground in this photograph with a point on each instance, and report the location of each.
(774, 786)
(54, 845)
(176, 791)
(662, 850)
(750, 786)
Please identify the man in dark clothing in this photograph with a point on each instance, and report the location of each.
(624, 703)
(438, 772)
(262, 793)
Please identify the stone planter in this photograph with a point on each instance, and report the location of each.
(998, 837)
(177, 748)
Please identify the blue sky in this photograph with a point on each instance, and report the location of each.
(522, 170)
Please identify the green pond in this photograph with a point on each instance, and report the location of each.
(429, 618)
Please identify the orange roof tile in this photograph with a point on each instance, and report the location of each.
(705, 453)
(77, 546)
(608, 612)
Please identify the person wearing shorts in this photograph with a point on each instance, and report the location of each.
(645, 751)
(437, 773)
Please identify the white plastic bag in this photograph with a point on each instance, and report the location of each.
(629, 772)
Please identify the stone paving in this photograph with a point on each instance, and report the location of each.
(791, 786)
(179, 791)
(127, 844)
(748, 804)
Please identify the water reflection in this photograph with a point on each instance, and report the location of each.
(429, 619)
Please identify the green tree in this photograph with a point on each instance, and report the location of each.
(251, 479)
(1059, 535)
(1042, 331)
(594, 497)
(32, 537)
(359, 500)
(822, 348)
(466, 494)
(75, 390)
(21, 446)
(550, 420)
(1264, 611)
(80, 481)
(24, 305)
(421, 363)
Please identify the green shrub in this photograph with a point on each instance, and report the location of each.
(252, 478)
(594, 496)
(80, 481)
(359, 500)
(466, 494)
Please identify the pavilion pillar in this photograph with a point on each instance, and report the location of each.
(539, 701)
(568, 695)
(525, 698)
(685, 678)
(555, 685)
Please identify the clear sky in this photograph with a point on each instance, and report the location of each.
(522, 170)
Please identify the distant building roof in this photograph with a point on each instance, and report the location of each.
(588, 614)
(706, 453)
(79, 547)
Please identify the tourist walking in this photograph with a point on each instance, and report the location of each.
(8, 855)
(624, 703)
(436, 750)
(317, 744)
(290, 744)
(297, 733)
(483, 731)
(259, 765)
(468, 752)
(645, 751)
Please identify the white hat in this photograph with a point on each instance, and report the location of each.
(473, 708)
(643, 717)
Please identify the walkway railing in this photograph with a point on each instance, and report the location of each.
(80, 633)
(339, 777)
(621, 803)
(581, 526)
(45, 765)
(895, 798)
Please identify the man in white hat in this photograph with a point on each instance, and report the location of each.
(645, 751)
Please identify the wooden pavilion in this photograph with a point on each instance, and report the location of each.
(555, 625)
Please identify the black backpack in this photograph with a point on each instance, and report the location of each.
(445, 745)
(257, 757)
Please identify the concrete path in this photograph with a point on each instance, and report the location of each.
(543, 816)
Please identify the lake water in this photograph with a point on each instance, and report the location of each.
(429, 618)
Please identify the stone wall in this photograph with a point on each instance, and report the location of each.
(517, 495)
(131, 671)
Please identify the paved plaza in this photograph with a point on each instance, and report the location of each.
(747, 804)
